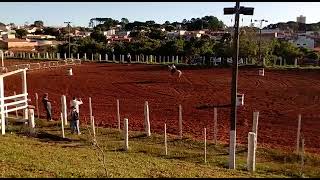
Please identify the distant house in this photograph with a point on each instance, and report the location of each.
(123, 33)
(15, 43)
(31, 36)
(117, 38)
(109, 32)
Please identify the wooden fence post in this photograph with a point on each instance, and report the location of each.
(37, 105)
(298, 133)
(165, 139)
(180, 121)
(215, 125)
(205, 145)
(118, 114)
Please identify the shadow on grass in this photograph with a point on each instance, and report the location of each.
(47, 137)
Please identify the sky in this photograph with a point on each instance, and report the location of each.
(80, 13)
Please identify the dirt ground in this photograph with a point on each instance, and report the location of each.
(279, 96)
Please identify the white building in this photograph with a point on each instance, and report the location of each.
(303, 41)
(109, 32)
(301, 19)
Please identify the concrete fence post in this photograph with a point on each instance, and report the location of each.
(232, 148)
(113, 57)
(215, 116)
(99, 57)
(126, 134)
(65, 55)
(93, 127)
(298, 133)
(62, 126)
(78, 56)
(106, 57)
(251, 158)
(255, 124)
(85, 56)
(180, 121)
(146, 119)
(64, 109)
(31, 120)
(92, 58)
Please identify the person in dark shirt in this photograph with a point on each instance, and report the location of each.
(75, 123)
(47, 106)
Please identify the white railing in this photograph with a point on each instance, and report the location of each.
(15, 102)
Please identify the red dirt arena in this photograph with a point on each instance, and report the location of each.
(279, 96)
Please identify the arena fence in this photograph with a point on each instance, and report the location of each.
(41, 65)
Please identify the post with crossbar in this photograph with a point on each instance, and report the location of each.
(237, 10)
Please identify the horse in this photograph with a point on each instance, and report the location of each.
(174, 70)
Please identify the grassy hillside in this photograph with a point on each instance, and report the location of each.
(46, 154)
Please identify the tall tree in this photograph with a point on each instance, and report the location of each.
(38, 24)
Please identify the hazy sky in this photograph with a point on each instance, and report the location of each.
(55, 13)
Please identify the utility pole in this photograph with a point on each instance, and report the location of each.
(237, 10)
(261, 21)
(69, 36)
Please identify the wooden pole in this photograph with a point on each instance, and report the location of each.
(205, 145)
(90, 110)
(298, 133)
(180, 121)
(215, 125)
(37, 105)
(16, 106)
(165, 139)
(118, 114)
(126, 136)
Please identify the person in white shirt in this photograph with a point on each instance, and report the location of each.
(75, 103)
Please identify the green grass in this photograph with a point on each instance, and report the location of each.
(46, 154)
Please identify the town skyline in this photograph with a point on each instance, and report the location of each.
(15, 12)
